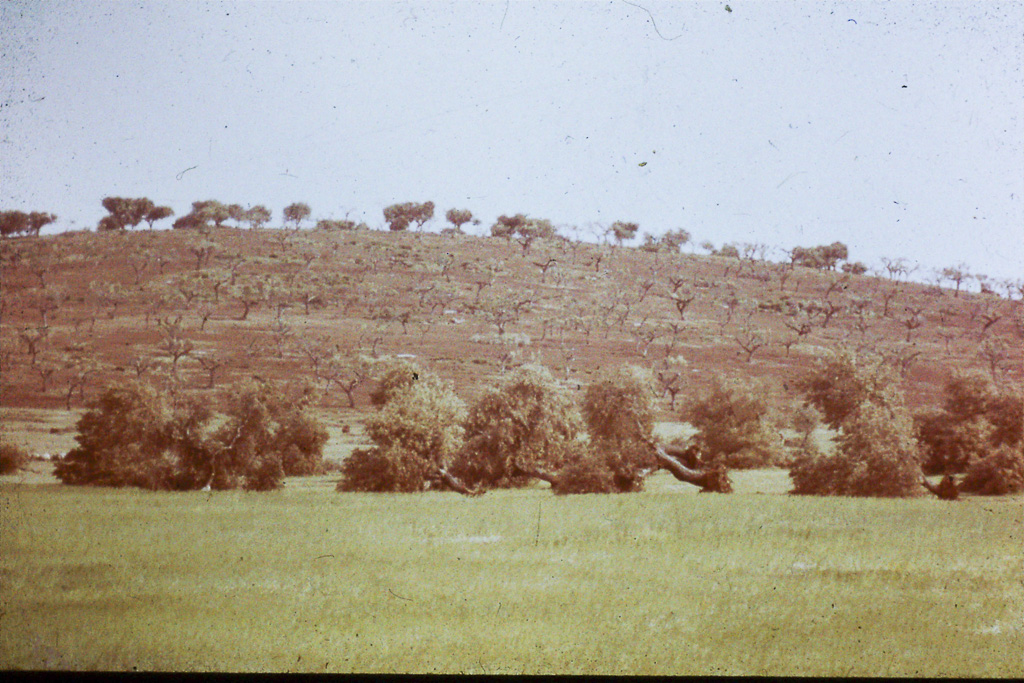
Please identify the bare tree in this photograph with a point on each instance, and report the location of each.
(750, 339)
(174, 344)
(994, 352)
(912, 320)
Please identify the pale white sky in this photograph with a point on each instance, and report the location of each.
(895, 128)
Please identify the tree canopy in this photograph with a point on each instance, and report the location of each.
(400, 216)
(524, 425)
(125, 212)
(18, 222)
(132, 435)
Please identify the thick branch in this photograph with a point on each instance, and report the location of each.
(947, 489)
(536, 474)
(456, 485)
(714, 479)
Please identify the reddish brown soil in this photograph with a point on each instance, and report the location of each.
(105, 311)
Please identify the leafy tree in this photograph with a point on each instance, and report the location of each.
(236, 213)
(267, 435)
(296, 213)
(202, 214)
(37, 220)
(157, 213)
(674, 240)
(824, 257)
(524, 426)
(13, 223)
(132, 436)
(416, 435)
(996, 473)
(619, 412)
(459, 217)
(841, 383)
(256, 216)
(525, 230)
(125, 439)
(508, 226)
(400, 216)
(733, 428)
(395, 375)
(877, 453)
(622, 231)
(855, 268)
(532, 230)
(833, 254)
(124, 212)
(975, 418)
(876, 456)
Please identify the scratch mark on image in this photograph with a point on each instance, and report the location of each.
(536, 537)
(399, 596)
(655, 25)
(788, 178)
(178, 177)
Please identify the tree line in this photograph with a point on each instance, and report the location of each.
(125, 213)
(528, 427)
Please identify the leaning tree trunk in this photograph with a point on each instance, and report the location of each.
(689, 456)
(947, 489)
(452, 482)
(536, 474)
(714, 479)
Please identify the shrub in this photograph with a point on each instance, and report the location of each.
(123, 440)
(875, 457)
(417, 432)
(268, 435)
(367, 469)
(841, 383)
(586, 475)
(130, 436)
(732, 426)
(627, 461)
(12, 458)
(396, 374)
(619, 405)
(619, 412)
(525, 422)
(948, 446)
(975, 417)
(996, 474)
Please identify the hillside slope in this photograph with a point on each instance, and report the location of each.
(200, 310)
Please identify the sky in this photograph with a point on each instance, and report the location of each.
(892, 127)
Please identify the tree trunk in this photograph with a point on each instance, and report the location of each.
(713, 479)
(536, 474)
(947, 489)
(454, 484)
(689, 456)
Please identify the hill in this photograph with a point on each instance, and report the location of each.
(199, 310)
